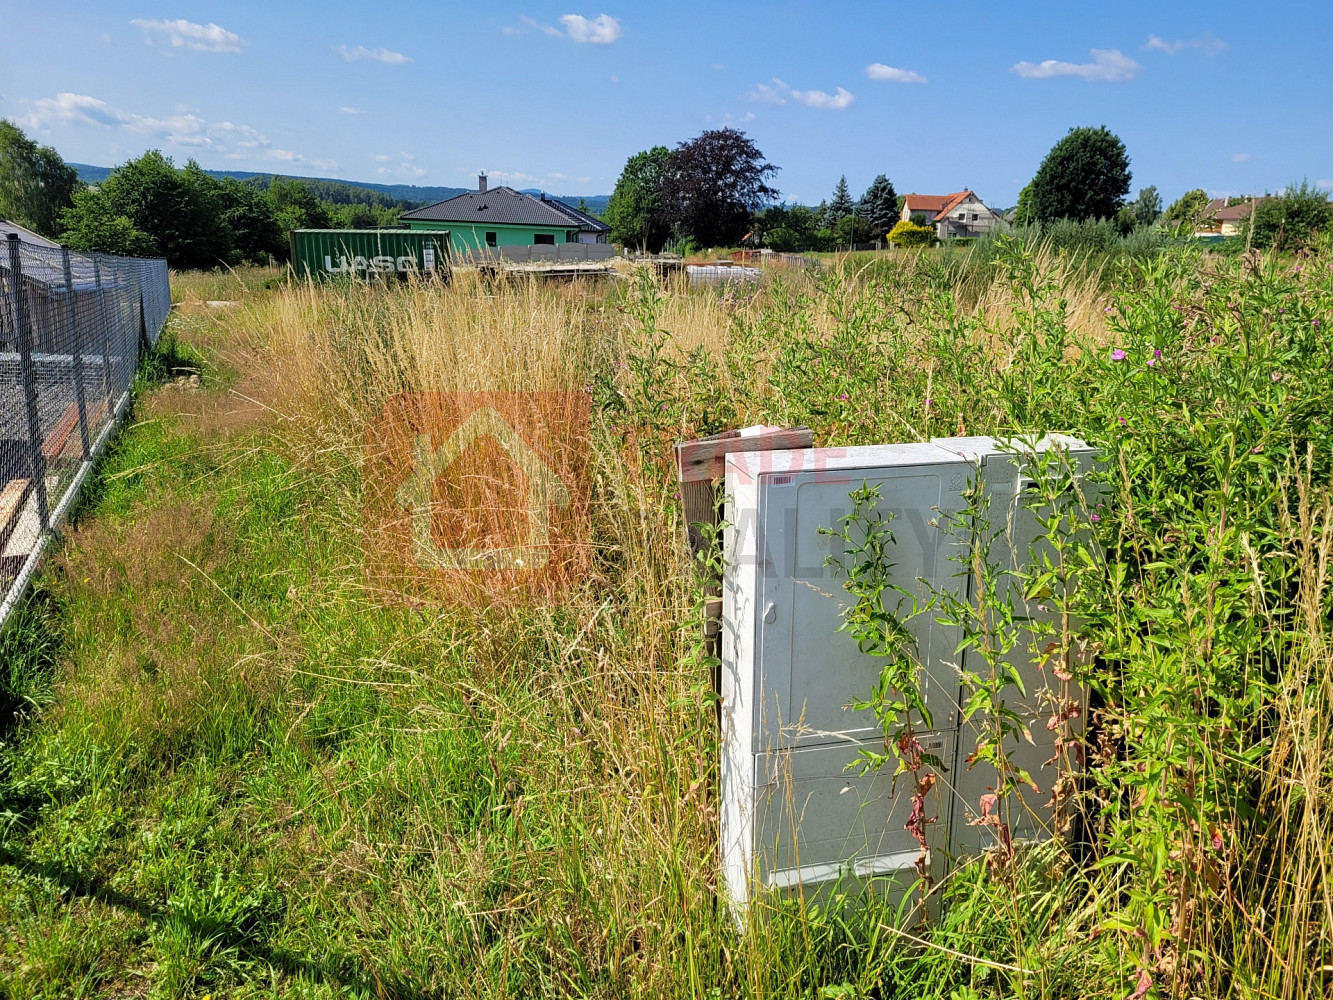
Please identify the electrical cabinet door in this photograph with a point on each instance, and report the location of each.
(809, 672)
(819, 817)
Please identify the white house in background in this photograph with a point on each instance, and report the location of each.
(959, 214)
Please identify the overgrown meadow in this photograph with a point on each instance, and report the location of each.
(230, 767)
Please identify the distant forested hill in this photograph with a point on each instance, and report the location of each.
(342, 192)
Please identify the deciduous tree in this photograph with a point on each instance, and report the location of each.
(712, 184)
(634, 212)
(296, 207)
(1023, 213)
(1188, 211)
(92, 223)
(180, 210)
(1147, 207)
(1293, 220)
(36, 185)
(1084, 176)
(252, 223)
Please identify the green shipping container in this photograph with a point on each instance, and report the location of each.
(370, 253)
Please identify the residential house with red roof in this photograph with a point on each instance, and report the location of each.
(1225, 216)
(959, 214)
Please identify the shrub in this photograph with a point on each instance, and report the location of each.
(1293, 221)
(909, 234)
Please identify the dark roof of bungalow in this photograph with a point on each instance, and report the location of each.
(586, 222)
(500, 205)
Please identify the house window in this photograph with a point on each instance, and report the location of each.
(543, 238)
(490, 239)
(974, 216)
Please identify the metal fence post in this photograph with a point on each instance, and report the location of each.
(75, 351)
(106, 332)
(36, 460)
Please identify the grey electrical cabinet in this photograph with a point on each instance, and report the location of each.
(797, 811)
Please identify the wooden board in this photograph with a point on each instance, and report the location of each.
(703, 460)
(700, 466)
(58, 436)
(11, 502)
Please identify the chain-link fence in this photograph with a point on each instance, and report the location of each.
(71, 329)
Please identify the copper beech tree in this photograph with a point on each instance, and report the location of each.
(712, 185)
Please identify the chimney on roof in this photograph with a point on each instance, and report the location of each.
(481, 183)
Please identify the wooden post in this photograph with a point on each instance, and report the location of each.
(700, 468)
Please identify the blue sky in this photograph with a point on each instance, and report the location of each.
(1226, 96)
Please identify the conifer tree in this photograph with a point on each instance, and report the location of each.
(841, 206)
(879, 205)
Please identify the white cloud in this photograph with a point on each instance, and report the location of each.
(509, 177)
(379, 55)
(188, 35)
(1240, 157)
(614, 78)
(551, 30)
(405, 165)
(775, 93)
(184, 128)
(79, 109)
(351, 111)
(1162, 45)
(1110, 65)
(719, 66)
(891, 74)
(1209, 44)
(324, 164)
(508, 29)
(819, 99)
(601, 30)
(1324, 183)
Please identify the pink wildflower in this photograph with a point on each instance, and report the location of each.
(1117, 355)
